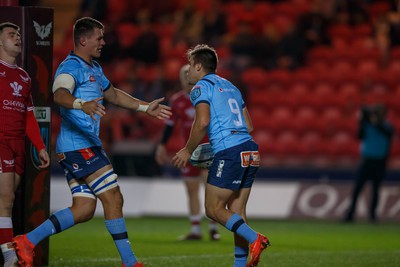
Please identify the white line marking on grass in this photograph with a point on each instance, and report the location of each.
(93, 260)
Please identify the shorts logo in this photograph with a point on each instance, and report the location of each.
(220, 168)
(195, 93)
(75, 166)
(250, 158)
(86, 153)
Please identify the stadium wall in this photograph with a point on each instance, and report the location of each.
(269, 199)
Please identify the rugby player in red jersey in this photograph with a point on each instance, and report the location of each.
(183, 113)
(17, 121)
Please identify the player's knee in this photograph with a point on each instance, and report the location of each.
(7, 201)
(112, 197)
(84, 211)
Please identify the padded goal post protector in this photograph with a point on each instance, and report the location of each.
(32, 203)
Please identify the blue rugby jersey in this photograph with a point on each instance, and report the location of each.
(79, 130)
(227, 124)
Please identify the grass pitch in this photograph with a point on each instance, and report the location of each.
(294, 244)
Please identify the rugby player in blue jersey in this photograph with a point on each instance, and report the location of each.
(221, 112)
(79, 89)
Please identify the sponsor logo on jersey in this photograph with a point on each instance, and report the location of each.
(16, 87)
(24, 78)
(9, 163)
(195, 93)
(3, 74)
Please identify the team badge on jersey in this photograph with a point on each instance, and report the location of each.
(195, 93)
(16, 87)
(92, 78)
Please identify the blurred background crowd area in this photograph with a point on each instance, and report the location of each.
(305, 68)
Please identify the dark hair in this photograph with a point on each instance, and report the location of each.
(205, 55)
(8, 25)
(85, 26)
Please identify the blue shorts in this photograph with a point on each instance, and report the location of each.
(236, 167)
(81, 163)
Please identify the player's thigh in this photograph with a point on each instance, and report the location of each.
(216, 197)
(238, 202)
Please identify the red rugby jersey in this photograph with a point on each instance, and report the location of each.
(183, 112)
(15, 100)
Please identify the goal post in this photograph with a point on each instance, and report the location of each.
(32, 201)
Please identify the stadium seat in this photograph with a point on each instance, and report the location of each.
(280, 119)
(259, 117)
(304, 75)
(264, 140)
(320, 53)
(281, 77)
(340, 30)
(305, 120)
(363, 30)
(344, 148)
(254, 78)
(127, 34)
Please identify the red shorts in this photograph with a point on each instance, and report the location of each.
(12, 156)
(190, 171)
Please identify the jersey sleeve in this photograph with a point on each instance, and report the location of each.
(200, 93)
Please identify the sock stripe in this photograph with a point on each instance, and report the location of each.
(237, 225)
(240, 255)
(56, 223)
(120, 236)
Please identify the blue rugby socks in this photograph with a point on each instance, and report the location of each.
(237, 225)
(58, 222)
(117, 229)
(241, 254)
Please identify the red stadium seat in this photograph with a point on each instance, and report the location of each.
(254, 78)
(305, 120)
(340, 30)
(304, 75)
(280, 119)
(264, 140)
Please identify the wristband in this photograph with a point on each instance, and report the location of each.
(78, 103)
(142, 108)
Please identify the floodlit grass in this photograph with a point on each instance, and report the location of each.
(294, 243)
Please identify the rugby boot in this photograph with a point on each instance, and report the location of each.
(256, 248)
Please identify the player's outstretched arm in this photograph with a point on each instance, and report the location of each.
(158, 110)
(119, 98)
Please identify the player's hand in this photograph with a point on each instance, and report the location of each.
(94, 107)
(44, 159)
(181, 158)
(158, 110)
(161, 156)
